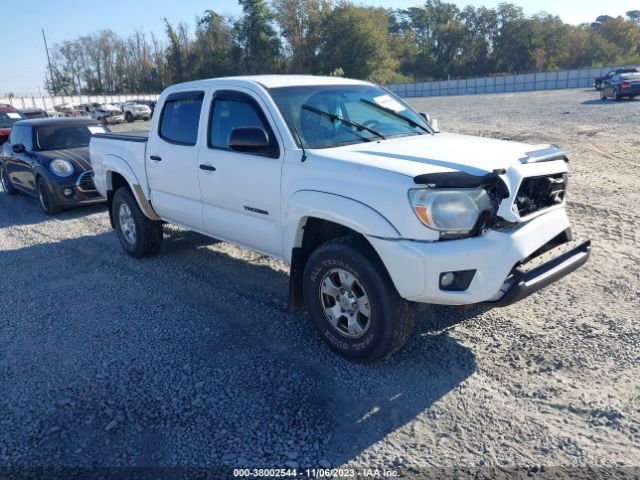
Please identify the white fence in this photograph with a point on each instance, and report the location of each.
(502, 84)
(49, 103)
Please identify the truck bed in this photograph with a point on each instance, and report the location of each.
(123, 152)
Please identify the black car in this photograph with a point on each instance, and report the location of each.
(33, 113)
(621, 86)
(49, 159)
(598, 82)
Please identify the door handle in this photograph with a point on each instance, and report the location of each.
(208, 168)
(155, 158)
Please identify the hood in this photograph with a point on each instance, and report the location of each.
(79, 157)
(443, 152)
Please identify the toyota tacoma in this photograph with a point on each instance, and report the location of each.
(374, 209)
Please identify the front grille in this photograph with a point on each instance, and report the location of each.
(538, 193)
(85, 182)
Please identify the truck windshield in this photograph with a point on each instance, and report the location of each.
(378, 112)
(55, 137)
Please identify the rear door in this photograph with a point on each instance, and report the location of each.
(172, 160)
(241, 191)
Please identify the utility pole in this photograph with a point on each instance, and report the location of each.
(46, 48)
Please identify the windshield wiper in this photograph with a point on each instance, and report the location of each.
(338, 118)
(395, 114)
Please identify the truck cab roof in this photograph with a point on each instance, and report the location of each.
(270, 81)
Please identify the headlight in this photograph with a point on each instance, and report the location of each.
(61, 167)
(450, 210)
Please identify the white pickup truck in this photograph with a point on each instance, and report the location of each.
(375, 211)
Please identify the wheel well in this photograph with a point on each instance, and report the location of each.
(117, 181)
(315, 232)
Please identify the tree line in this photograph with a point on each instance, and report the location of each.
(336, 37)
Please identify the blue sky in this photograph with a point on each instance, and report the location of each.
(24, 61)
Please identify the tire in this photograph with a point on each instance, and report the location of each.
(616, 96)
(139, 236)
(7, 186)
(603, 96)
(129, 117)
(46, 198)
(350, 270)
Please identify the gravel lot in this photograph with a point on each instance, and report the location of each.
(190, 359)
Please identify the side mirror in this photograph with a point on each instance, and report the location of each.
(18, 148)
(432, 122)
(249, 140)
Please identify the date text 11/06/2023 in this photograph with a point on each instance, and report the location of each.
(314, 473)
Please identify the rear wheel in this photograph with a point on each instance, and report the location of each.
(603, 96)
(7, 186)
(46, 198)
(139, 236)
(616, 95)
(129, 117)
(353, 303)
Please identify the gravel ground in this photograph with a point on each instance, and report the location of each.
(190, 359)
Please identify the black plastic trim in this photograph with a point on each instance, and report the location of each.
(461, 283)
(123, 136)
(457, 180)
(536, 274)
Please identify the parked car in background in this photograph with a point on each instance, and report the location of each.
(149, 103)
(34, 113)
(48, 158)
(8, 116)
(136, 111)
(598, 82)
(105, 113)
(69, 111)
(622, 85)
(375, 210)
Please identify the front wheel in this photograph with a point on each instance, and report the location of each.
(129, 117)
(7, 186)
(139, 236)
(47, 200)
(353, 303)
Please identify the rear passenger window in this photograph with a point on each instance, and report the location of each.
(181, 117)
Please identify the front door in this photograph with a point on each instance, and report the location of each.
(172, 161)
(241, 191)
(20, 166)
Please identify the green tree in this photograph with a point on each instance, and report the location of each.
(300, 23)
(214, 48)
(175, 57)
(257, 37)
(356, 39)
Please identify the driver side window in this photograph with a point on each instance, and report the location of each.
(231, 110)
(21, 134)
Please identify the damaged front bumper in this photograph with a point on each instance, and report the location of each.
(538, 272)
(497, 268)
